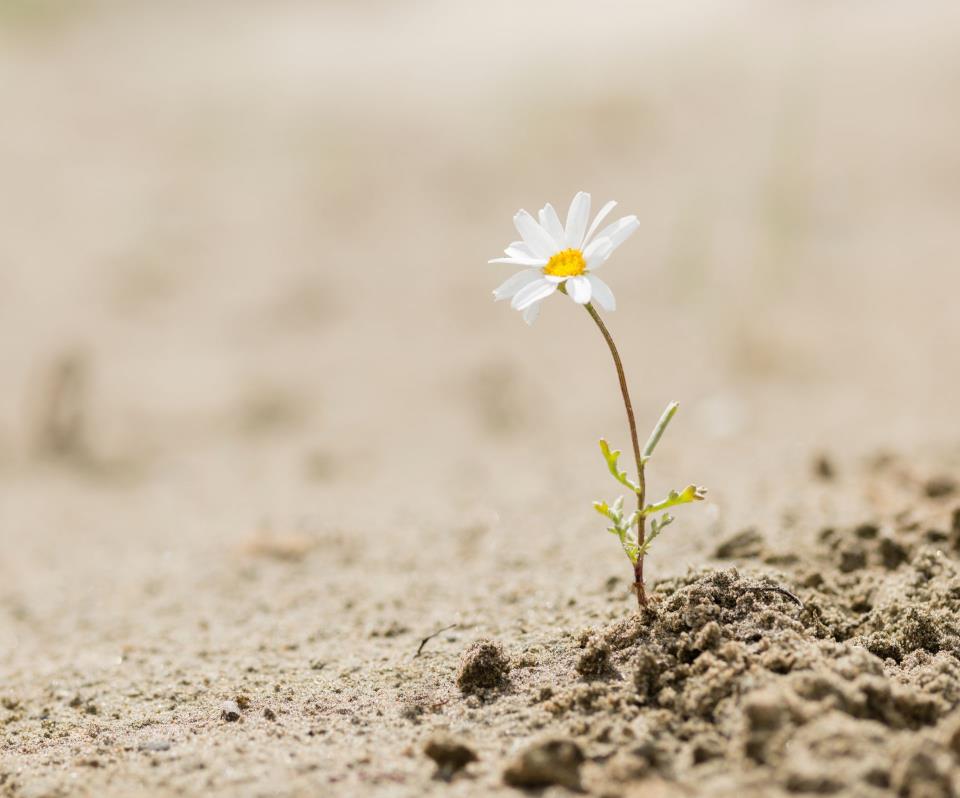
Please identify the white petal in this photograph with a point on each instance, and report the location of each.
(511, 285)
(619, 231)
(519, 250)
(602, 293)
(577, 219)
(520, 261)
(629, 225)
(534, 292)
(551, 223)
(612, 228)
(531, 313)
(596, 247)
(598, 258)
(538, 239)
(552, 278)
(599, 218)
(579, 289)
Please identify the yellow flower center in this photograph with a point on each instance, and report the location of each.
(568, 263)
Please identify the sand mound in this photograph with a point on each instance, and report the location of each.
(728, 682)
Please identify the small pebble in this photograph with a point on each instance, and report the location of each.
(229, 711)
(269, 714)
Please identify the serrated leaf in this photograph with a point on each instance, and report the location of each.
(689, 494)
(632, 551)
(623, 529)
(656, 527)
(612, 457)
(693, 493)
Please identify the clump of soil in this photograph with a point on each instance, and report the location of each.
(450, 755)
(595, 658)
(483, 666)
(748, 543)
(854, 690)
(547, 763)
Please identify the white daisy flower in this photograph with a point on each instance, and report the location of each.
(555, 255)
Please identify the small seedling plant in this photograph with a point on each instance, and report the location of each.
(563, 258)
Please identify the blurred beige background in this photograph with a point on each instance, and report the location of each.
(244, 294)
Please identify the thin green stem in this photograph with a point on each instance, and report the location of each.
(641, 482)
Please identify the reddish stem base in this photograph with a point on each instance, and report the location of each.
(638, 587)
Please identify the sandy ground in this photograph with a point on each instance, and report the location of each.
(262, 429)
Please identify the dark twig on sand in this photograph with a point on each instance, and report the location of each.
(430, 637)
(777, 589)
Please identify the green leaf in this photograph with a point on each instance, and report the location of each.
(612, 457)
(658, 430)
(656, 527)
(689, 494)
(623, 529)
(693, 493)
(604, 509)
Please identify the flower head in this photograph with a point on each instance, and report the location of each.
(555, 255)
